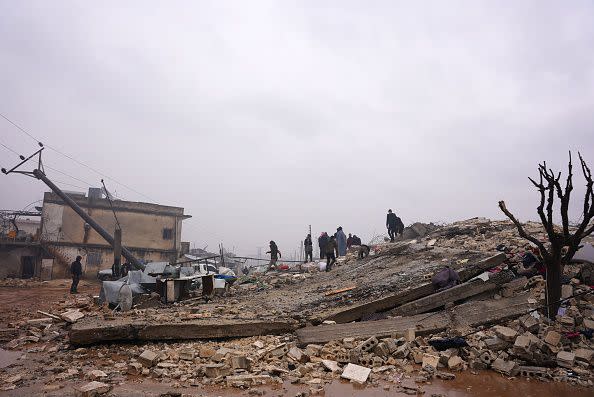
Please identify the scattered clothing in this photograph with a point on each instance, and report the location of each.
(444, 279)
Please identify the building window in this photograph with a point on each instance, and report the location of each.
(94, 258)
(167, 234)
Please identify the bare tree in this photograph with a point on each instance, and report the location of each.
(563, 242)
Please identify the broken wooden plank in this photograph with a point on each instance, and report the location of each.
(49, 315)
(353, 313)
(470, 314)
(98, 331)
(439, 299)
(339, 291)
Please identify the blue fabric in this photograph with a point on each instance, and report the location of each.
(341, 241)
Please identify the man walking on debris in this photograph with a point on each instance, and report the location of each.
(76, 272)
(394, 225)
(341, 241)
(308, 248)
(322, 241)
(274, 255)
(331, 248)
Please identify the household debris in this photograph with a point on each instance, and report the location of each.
(500, 328)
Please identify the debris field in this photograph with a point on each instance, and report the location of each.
(373, 321)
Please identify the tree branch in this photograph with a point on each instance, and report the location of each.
(522, 232)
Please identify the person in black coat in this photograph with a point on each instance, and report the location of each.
(76, 272)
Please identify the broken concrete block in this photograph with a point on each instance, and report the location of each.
(529, 323)
(402, 351)
(220, 354)
(187, 354)
(92, 389)
(280, 350)
(313, 350)
(565, 359)
(553, 338)
(509, 368)
(496, 344)
(134, 368)
(455, 363)
(207, 352)
(584, 355)
(148, 358)
(589, 323)
(390, 344)
(522, 344)
(96, 374)
(331, 366)
(297, 354)
(356, 373)
(71, 316)
(567, 321)
(505, 333)
(215, 370)
(430, 360)
(566, 291)
(381, 350)
(368, 345)
(240, 362)
(409, 334)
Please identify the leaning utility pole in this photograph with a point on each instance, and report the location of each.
(39, 173)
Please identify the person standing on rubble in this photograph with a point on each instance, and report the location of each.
(76, 272)
(322, 241)
(394, 225)
(331, 248)
(307, 243)
(349, 241)
(341, 240)
(274, 255)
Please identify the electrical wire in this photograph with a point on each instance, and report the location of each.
(12, 150)
(74, 159)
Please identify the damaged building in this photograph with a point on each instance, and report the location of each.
(152, 232)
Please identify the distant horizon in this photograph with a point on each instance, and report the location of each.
(260, 118)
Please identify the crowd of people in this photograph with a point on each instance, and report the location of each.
(336, 245)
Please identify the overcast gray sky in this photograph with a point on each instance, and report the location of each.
(261, 117)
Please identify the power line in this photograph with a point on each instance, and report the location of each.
(14, 151)
(74, 159)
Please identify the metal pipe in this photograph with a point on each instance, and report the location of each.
(102, 232)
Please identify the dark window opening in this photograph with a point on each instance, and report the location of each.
(28, 263)
(167, 234)
(94, 258)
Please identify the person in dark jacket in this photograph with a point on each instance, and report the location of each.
(274, 255)
(331, 250)
(356, 240)
(322, 241)
(394, 225)
(349, 241)
(76, 272)
(308, 245)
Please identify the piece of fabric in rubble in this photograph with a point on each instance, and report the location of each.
(444, 279)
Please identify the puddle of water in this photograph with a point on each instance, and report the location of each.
(8, 357)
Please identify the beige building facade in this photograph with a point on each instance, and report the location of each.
(151, 232)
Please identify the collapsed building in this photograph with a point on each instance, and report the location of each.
(376, 320)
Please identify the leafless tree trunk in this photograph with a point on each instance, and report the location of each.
(562, 244)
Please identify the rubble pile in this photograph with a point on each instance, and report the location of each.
(529, 346)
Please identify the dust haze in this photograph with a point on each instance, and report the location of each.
(262, 117)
